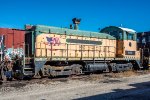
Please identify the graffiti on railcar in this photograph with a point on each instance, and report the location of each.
(53, 40)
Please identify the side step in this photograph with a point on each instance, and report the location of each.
(28, 70)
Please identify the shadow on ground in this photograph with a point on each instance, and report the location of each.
(140, 91)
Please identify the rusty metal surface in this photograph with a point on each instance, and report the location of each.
(14, 38)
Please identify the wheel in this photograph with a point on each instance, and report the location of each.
(76, 69)
(130, 66)
(79, 71)
(113, 68)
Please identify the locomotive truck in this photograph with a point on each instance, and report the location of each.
(55, 51)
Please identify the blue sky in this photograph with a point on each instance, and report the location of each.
(95, 14)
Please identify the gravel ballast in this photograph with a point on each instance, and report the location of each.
(132, 88)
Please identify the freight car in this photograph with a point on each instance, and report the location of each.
(12, 41)
(54, 51)
(11, 48)
(143, 41)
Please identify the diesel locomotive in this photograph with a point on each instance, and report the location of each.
(55, 51)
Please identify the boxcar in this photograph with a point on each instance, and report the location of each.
(12, 40)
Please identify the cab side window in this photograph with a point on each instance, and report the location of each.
(130, 36)
(120, 36)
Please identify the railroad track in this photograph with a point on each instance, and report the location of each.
(21, 83)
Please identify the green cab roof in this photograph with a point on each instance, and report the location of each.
(40, 29)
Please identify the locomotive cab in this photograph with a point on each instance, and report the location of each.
(126, 46)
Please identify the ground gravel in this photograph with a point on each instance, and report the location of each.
(92, 87)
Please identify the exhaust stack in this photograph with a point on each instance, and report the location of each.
(76, 21)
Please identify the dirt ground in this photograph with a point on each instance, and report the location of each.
(117, 86)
